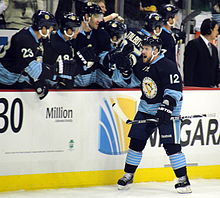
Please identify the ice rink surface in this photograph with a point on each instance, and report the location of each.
(202, 188)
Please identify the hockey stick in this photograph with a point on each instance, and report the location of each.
(189, 17)
(121, 114)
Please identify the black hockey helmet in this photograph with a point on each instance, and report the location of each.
(152, 20)
(91, 8)
(41, 19)
(69, 21)
(168, 11)
(153, 41)
(116, 28)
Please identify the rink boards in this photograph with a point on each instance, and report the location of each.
(73, 139)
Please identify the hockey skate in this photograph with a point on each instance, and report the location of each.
(183, 185)
(125, 181)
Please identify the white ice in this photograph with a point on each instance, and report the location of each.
(202, 188)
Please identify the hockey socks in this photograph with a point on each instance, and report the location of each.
(177, 160)
(133, 157)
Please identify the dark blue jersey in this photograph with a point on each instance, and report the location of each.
(99, 39)
(22, 49)
(158, 79)
(57, 48)
(21, 59)
(168, 43)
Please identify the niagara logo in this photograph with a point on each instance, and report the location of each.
(113, 131)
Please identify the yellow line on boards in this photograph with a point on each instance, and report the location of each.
(98, 178)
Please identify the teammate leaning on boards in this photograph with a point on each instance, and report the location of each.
(122, 56)
(21, 59)
(91, 42)
(60, 49)
(161, 87)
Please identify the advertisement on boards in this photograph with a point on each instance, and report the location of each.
(71, 131)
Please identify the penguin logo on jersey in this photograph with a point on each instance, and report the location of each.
(149, 87)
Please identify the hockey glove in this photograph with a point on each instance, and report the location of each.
(88, 56)
(129, 58)
(41, 88)
(127, 49)
(67, 67)
(165, 110)
(180, 36)
(122, 63)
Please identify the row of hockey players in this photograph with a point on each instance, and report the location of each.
(83, 52)
(106, 57)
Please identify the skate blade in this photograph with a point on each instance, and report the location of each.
(120, 187)
(184, 190)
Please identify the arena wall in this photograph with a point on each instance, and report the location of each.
(73, 138)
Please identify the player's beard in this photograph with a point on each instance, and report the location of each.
(146, 59)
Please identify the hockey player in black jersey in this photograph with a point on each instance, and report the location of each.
(122, 56)
(168, 12)
(60, 49)
(91, 42)
(161, 98)
(152, 26)
(21, 59)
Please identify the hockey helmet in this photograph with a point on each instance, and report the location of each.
(116, 30)
(42, 19)
(69, 21)
(168, 11)
(152, 21)
(91, 8)
(153, 41)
